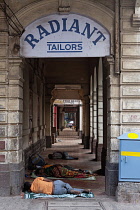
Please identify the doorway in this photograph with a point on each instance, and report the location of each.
(69, 69)
(66, 80)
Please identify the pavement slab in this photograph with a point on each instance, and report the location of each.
(16, 203)
(74, 205)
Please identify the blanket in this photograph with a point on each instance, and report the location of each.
(31, 195)
(58, 170)
(76, 178)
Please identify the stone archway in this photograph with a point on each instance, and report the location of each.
(96, 11)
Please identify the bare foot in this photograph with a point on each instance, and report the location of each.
(75, 192)
(87, 191)
(22, 195)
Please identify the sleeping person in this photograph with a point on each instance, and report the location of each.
(47, 186)
(58, 170)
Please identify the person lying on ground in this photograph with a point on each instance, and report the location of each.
(58, 171)
(61, 155)
(47, 186)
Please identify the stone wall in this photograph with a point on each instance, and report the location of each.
(36, 148)
(128, 192)
(22, 126)
(113, 127)
(34, 107)
(130, 71)
(11, 110)
(129, 87)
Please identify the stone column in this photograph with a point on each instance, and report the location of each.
(41, 112)
(91, 106)
(92, 137)
(113, 129)
(83, 120)
(4, 147)
(26, 105)
(77, 119)
(11, 111)
(60, 118)
(87, 123)
(105, 107)
(11, 155)
(80, 120)
(48, 121)
(94, 109)
(55, 116)
(99, 144)
(35, 111)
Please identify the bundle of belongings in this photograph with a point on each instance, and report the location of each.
(61, 155)
(37, 164)
(34, 161)
(60, 171)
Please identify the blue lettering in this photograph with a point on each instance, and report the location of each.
(75, 26)
(64, 24)
(67, 46)
(61, 47)
(42, 31)
(80, 47)
(54, 30)
(49, 45)
(30, 39)
(57, 46)
(99, 37)
(87, 28)
(73, 46)
(54, 47)
(54, 27)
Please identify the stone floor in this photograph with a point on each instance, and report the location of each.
(69, 141)
(72, 144)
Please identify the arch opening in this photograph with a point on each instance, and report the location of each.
(69, 35)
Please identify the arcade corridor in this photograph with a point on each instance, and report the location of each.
(68, 141)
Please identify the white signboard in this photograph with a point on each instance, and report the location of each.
(65, 36)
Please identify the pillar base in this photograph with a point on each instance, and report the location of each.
(53, 138)
(98, 151)
(11, 178)
(83, 136)
(86, 142)
(80, 134)
(103, 160)
(111, 178)
(48, 142)
(93, 145)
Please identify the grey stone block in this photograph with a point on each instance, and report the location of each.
(16, 167)
(128, 192)
(4, 179)
(2, 131)
(48, 142)
(4, 167)
(110, 189)
(111, 177)
(4, 191)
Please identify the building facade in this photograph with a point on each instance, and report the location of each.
(68, 49)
